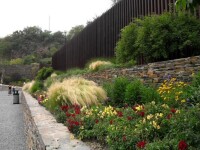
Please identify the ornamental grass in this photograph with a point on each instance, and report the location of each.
(76, 91)
(27, 86)
(97, 64)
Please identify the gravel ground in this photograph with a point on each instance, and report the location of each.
(12, 136)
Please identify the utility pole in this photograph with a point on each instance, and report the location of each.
(65, 37)
(49, 23)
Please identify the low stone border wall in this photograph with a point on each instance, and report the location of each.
(42, 130)
(152, 73)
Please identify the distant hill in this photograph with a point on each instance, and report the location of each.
(30, 45)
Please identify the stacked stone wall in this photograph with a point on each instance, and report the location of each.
(23, 71)
(153, 73)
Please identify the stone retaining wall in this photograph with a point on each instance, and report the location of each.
(153, 73)
(19, 71)
(42, 130)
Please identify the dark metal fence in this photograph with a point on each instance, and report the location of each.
(99, 38)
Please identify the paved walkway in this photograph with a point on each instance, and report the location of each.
(12, 136)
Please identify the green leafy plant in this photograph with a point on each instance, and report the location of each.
(143, 38)
(138, 93)
(37, 86)
(44, 73)
(118, 92)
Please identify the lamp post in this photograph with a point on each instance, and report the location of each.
(65, 37)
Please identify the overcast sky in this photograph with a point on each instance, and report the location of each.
(64, 14)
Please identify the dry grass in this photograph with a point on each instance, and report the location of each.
(53, 75)
(27, 86)
(77, 91)
(95, 65)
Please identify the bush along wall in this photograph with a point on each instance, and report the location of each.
(157, 38)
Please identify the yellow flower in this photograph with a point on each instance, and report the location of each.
(177, 111)
(183, 101)
(161, 114)
(165, 106)
(138, 108)
(149, 116)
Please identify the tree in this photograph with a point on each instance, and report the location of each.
(182, 5)
(115, 1)
(74, 31)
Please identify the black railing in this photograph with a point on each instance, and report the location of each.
(99, 38)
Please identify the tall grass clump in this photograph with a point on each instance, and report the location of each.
(27, 86)
(97, 65)
(75, 91)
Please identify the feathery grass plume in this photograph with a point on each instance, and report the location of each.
(53, 75)
(76, 90)
(27, 86)
(97, 64)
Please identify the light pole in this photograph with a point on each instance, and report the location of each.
(65, 37)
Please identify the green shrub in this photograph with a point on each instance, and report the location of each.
(196, 80)
(133, 93)
(159, 38)
(137, 92)
(118, 93)
(37, 86)
(125, 46)
(70, 73)
(44, 73)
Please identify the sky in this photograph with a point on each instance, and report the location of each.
(56, 15)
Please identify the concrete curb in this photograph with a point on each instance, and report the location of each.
(42, 130)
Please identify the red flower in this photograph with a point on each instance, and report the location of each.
(67, 114)
(182, 145)
(76, 123)
(173, 110)
(129, 118)
(111, 121)
(141, 144)
(77, 111)
(73, 115)
(124, 138)
(134, 107)
(96, 121)
(141, 113)
(119, 114)
(65, 108)
(169, 116)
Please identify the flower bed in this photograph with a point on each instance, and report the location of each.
(166, 118)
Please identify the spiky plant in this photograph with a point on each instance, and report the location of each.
(27, 86)
(97, 64)
(75, 90)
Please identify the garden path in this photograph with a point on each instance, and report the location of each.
(12, 135)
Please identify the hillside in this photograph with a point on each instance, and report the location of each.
(30, 45)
